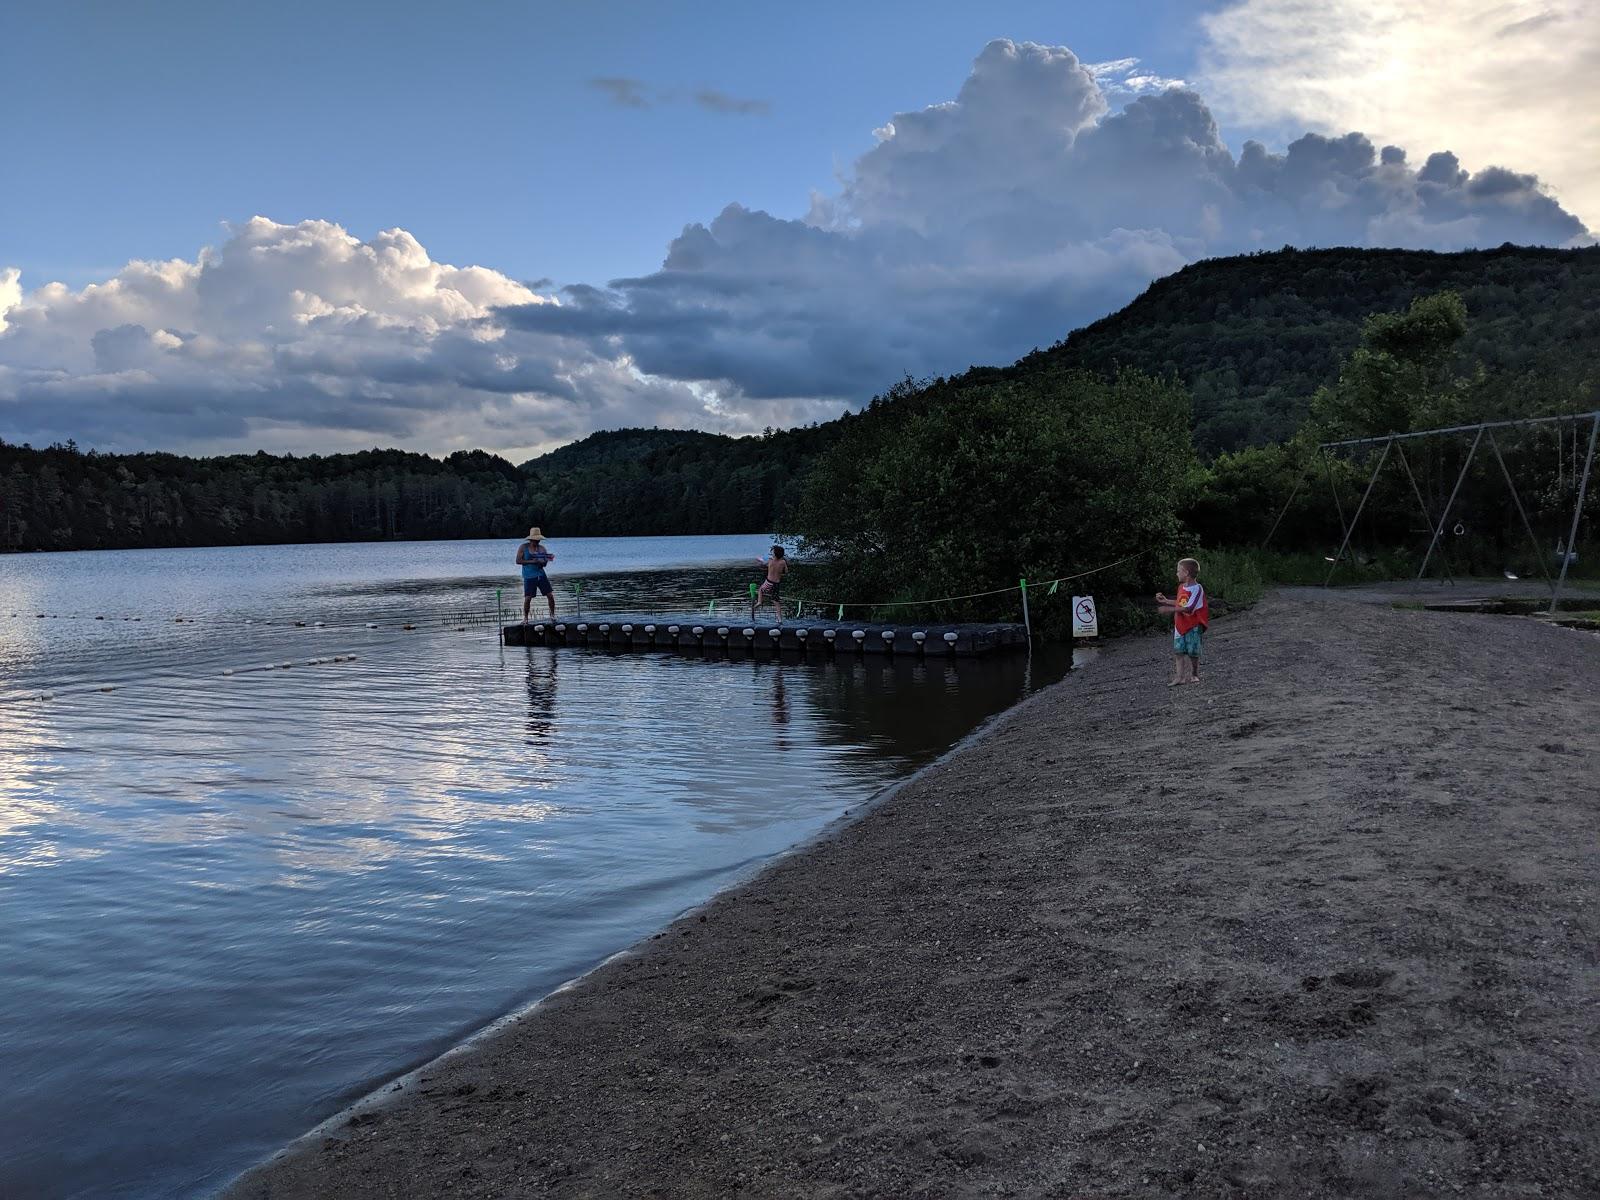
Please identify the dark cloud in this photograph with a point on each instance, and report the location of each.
(720, 102)
(623, 92)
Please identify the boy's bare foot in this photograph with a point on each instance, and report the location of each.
(1196, 679)
(1177, 682)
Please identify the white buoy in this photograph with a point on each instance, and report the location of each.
(312, 662)
(858, 634)
(583, 628)
(950, 638)
(650, 629)
(605, 629)
(539, 629)
(830, 634)
(722, 631)
(349, 658)
(227, 670)
(749, 633)
(627, 629)
(775, 633)
(919, 637)
(888, 635)
(673, 630)
(372, 624)
(284, 666)
(320, 624)
(698, 630)
(801, 633)
(561, 628)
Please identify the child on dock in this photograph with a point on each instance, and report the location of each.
(532, 557)
(1191, 616)
(777, 567)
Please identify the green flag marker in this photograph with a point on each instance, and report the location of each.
(712, 611)
(754, 588)
(1053, 588)
(840, 617)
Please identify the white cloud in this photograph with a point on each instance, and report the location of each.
(1488, 79)
(10, 292)
(971, 232)
(303, 337)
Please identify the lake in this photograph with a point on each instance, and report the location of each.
(236, 895)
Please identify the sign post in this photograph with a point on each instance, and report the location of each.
(1085, 622)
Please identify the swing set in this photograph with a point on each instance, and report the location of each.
(1566, 550)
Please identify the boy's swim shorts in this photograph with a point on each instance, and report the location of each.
(536, 582)
(1186, 643)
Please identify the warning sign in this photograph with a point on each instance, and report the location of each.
(1084, 621)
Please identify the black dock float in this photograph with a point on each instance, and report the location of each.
(822, 637)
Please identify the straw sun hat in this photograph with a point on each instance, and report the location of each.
(536, 534)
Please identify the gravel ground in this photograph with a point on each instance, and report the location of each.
(1322, 925)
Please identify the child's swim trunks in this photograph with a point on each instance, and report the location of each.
(1187, 643)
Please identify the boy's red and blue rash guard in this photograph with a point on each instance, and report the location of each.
(1193, 611)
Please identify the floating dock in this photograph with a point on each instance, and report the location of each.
(700, 636)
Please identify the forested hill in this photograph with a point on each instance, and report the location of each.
(630, 481)
(1252, 337)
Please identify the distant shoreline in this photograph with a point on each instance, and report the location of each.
(1323, 923)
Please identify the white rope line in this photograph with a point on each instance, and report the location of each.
(1016, 587)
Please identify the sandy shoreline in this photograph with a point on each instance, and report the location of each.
(1324, 925)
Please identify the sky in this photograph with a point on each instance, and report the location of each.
(318, 227)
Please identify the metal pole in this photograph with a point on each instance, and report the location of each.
(1026, 624)
(1333, 487)
(499, 617)
(1450, 503)
(1349, 533)
(1300, 483)
(1460, 429)
(1538, 554)
(1423, 504)
(1577, 512)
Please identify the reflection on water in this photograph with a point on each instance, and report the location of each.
(230, 904)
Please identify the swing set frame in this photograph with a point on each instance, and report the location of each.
(1481, 431)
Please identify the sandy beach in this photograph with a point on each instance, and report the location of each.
(1322, 925)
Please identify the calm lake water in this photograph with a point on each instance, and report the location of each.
(230, 904)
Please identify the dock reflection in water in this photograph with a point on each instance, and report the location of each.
(231, 904)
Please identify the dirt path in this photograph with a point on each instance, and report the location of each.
(1324, 925)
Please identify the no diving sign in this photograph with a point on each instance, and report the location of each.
(1084, 621)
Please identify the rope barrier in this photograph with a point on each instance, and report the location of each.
(1051, 583)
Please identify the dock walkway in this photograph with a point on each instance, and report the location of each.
(700, 635)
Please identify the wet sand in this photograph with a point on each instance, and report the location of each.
(1322, 925)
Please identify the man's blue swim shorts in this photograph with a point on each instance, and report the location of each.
(1187, 643)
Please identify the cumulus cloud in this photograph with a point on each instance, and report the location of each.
(979, 228)
(1483, 78)
(303, 337)
(972, 231)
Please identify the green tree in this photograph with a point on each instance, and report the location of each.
(965, 489)
(1401, 377)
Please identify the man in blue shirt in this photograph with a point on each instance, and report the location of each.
(532, 557)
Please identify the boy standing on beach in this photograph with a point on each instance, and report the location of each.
(1191, 616)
